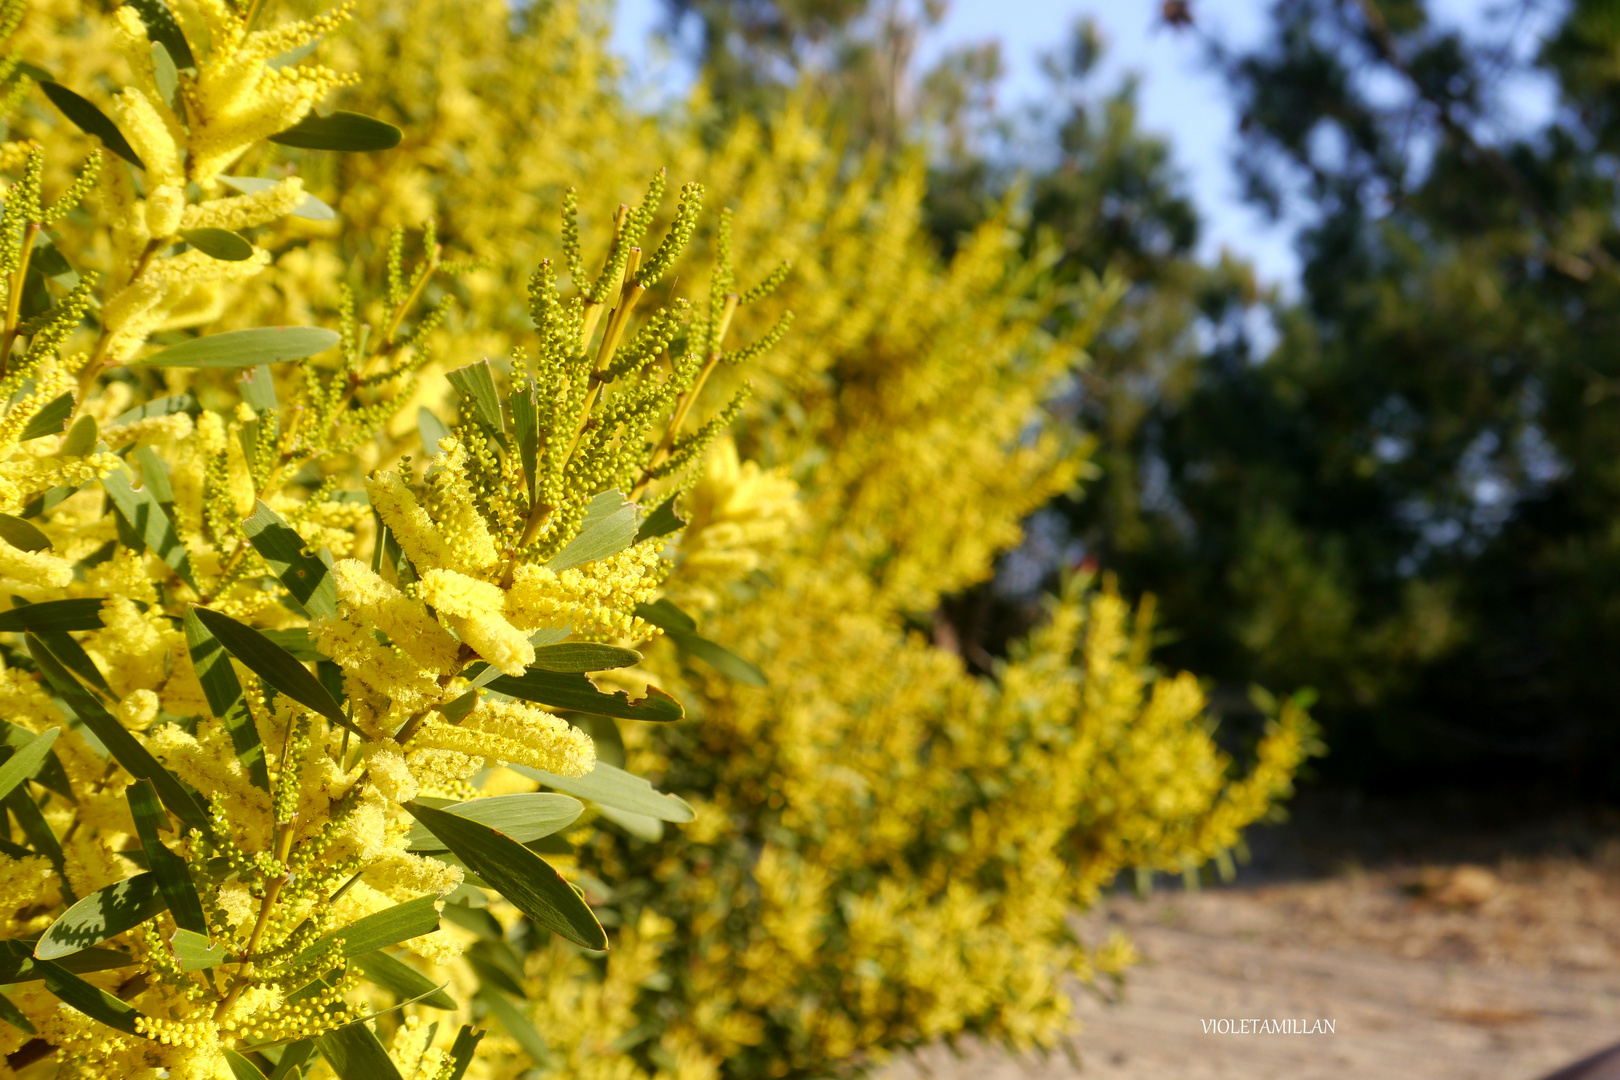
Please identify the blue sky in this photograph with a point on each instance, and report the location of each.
(1179, 97)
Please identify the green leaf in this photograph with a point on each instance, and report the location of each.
(388, 927)
(609, 527)
(241, 1067)
(666, 616)
(431, 429)
(73, 657)
(496, 965)
(570, 690)
(517, 1025)
(79, 613)
(604, 732)
(219, 244)
(149, 521)
(165, 73)
(641, 826)
(465, 895)
(523, 817)
(721, 659)
(550, 635)
(311, 209)
(22, 535)
(526, 880)
(90, 120)
(296, 641)
(193, 950)
(583, 656)
(525, 405)
(456, 709)
(476, 385)
(477, 920)
(609, 786)
(402, 980)
(36, 299)
(173, 875)
(52, 263)
(122, 745)
(165, 406)
(14, 1016)
(50, 775)
(26, 760)
(258, 389)
(17, 963)
(50, 419)
(226, 699)
(680, 627)
(355, 1054)
(308, 577)
(661, 522)
(346, 132)
(94, 1003)
(81, 438)
(163, 29)
(461, 1053)
(292, 1056)
(244, 348)
(330, 675)
(274, 665)
(103, 914)
(36, 830)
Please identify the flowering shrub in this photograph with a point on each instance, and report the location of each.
(249, 682)
(326, 553)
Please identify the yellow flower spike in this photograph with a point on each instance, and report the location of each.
(737, 513)
(25, 702)
(165, 204)
(389, 772)
(457, 513)
(442, 770)
(151, 132)
(369, 599)
(240, 99)
(414, 531)
(595, 599)
(25, 882)
(245, 211)
(29, 570)
(366, 662)
(497, 641)
(404, 876)
(472, 608)
(174, 293)
(514, 733)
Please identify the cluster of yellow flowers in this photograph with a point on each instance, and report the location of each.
(260, 667)
(329, 602)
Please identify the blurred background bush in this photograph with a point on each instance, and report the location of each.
(1392, 481)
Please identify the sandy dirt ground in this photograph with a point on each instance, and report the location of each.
(1442, 947)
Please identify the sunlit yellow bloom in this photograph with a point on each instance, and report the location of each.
(514, 733)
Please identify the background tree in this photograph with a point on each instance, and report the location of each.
(1412, 502)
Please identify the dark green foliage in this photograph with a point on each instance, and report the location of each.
(347, 132)
(1409, 500)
